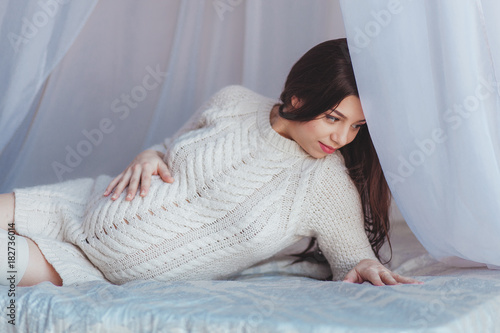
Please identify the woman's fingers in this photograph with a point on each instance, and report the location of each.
(406, 280)
(147, 172)
(112, 185)
(388, 278)
(122, 184)
(374, 272)
(352, 277)
(375, 278)
(133, 183)
(165, 173)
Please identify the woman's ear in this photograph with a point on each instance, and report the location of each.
(296, 102)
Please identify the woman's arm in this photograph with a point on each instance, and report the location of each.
(150, 162)
(337, 220)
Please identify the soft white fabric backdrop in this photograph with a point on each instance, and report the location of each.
(428, 74)
(85, 87)
(34, 38)
(134, 73)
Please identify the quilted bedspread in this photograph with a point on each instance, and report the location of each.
(267, 298)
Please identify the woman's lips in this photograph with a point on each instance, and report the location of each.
(327, 149)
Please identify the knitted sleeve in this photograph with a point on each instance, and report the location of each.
(222, 99)
(336, 219)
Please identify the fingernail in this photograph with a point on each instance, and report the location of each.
(129, 196)
(114, 196)
(143, 192)
(105, 192)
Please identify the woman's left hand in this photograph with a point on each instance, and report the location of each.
(374, 272)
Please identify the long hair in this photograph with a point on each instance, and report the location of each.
(321, 79)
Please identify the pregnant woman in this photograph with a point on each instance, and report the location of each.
(246, 177)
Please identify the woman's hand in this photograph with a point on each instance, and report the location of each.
(144, 165)
(373, 271)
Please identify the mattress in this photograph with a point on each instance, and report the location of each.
(273, 297)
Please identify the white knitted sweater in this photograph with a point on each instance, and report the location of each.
(241, 193)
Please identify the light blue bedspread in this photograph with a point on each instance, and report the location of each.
(451, 300)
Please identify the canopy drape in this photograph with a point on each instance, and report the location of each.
(98, 81)
(87, 84)
(35, 36)
(428, 74)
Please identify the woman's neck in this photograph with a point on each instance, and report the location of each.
(279, 124)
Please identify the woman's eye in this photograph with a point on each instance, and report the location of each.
(358, 126)
(331, 119)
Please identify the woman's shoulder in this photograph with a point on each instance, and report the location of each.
(333, 163)
(233, 95)
(333, 192)
(333, 175)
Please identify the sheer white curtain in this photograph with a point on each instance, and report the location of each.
(134, 73)
(428, 74)
(35, 36)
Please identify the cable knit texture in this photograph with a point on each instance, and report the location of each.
(241, 193)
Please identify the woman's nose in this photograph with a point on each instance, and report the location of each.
(341, 136)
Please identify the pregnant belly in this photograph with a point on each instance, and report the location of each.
(149, 235)
(115, 230)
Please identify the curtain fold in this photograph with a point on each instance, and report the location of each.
(135, 72)
(35, 37)
(427, 72)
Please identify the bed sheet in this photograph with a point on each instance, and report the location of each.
(267, 298)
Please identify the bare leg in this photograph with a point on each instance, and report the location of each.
(6, 210)
(39, 270)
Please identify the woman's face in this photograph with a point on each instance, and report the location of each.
(329, 131)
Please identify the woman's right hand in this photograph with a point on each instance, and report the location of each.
(144, 165)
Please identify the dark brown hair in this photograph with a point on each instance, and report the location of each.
(321, 79)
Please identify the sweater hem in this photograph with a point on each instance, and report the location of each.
(69, 262)
(67, 259)
(24, 208)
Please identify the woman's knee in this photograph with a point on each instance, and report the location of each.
(22, 263)
(39, 269)
(7, 203)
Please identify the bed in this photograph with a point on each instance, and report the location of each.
(273, 297)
